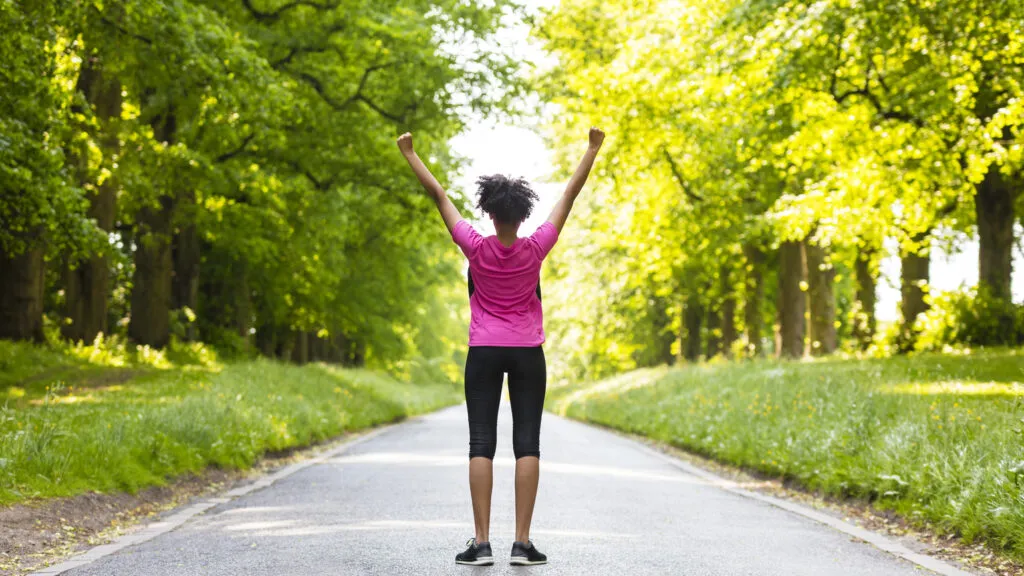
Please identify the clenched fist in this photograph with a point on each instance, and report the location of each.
(596, 138)
(405, 143)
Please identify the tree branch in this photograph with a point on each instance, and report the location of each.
(276, 13)
(120, 28)
(358, 96)
(872, 98)
(839, 57)
(679, 177)
(392, 194)
(318, 86)
(948, 209)
(381, 111)
(321, 185)
(241, 148)
(311, 49)
(362, 82)
(288, 58)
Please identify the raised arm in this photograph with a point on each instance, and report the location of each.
(560, 213)
(448, 210)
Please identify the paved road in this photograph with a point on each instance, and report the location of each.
(398, 504)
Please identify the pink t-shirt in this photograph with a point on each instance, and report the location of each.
(505, 309)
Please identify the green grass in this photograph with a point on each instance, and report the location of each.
(107, 421)
(938, 439)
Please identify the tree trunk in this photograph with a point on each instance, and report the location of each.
(72, 322)
(321, 352)
(154, 263)
(314, 346)
(300, 352)
(285, 339)
(87, 283)
(913, 283)
(186, 271)
(692, 318)
(663, 334)
(792, 300)
(714, 332)
(821, 277)
(359, 353)
(151, 284)
(993, 205)
(334, 354)
(729, 335)
(754, 298)
(94, 273)
(76, 159)
(266, 340)
(864, 308)
(95, 277)
(340, 346)
(21, 295)
(243, 302)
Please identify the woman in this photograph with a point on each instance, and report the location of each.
(506, 335)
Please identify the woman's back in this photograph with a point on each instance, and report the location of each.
(504, 305)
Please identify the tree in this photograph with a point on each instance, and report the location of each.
(87, 279)
(756, 124)
(821, 277)
(231, 167)
(39, 209)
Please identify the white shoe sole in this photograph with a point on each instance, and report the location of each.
(482, 561)
(525, 562)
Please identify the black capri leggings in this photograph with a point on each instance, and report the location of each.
(527, 382)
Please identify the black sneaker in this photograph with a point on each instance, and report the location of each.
(526, 555)
(476, 554)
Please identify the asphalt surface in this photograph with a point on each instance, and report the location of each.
(399, 504)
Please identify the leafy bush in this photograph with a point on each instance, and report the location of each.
(969, 318)
(888, 341)
(228, 343)
(431, 370)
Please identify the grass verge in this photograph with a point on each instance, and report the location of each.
(936, 439)
(79, 422)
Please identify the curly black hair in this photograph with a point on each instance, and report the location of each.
(507, 200)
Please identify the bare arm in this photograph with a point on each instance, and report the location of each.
(560, 213)
(448, 211)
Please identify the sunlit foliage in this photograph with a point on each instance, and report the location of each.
(737, 126)
(226, 171)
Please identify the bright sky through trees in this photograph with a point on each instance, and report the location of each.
(949, 271)
(515, 149)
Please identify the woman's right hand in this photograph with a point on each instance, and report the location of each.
(596, 138)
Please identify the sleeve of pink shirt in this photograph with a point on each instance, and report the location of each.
(466, 237)
(545, 238)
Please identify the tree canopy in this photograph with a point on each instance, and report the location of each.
(227, 171)
(786, 138)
